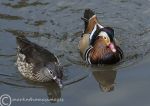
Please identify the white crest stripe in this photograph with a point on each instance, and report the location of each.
(93, 32)
(100, 26)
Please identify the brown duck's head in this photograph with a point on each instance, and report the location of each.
(54, 72)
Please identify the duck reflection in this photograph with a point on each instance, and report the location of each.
(105, 78)
(53, 92)
(52, 88)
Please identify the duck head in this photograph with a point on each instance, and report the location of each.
(54, 72)
(107, 34)
(104, 36)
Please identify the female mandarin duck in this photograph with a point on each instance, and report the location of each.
(36, 63)
(97, 44)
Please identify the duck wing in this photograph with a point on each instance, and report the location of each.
(34, 53)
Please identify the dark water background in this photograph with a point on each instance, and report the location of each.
(56, 25)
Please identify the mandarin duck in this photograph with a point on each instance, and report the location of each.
(36, 63)
(97, 44)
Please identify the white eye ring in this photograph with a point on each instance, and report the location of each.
(51, 72)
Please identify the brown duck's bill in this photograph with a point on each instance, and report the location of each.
(58, 81)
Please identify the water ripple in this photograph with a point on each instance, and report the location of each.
(10, 17)
(24, 3)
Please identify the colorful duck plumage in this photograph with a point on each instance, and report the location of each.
(97, 44)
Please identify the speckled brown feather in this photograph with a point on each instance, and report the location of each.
(34, 60)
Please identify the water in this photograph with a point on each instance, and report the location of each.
(56, 25)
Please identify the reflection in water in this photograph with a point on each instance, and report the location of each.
(105, 78)
(53, 92)
(52, 88)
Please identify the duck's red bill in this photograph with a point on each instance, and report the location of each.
(112, 47)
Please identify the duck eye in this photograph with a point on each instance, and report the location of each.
(105, 38)
(51, 72)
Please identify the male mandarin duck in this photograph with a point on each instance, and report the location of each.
(97, 44)
(36, 63)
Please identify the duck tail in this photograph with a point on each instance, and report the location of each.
(90, 20)
(88, 13)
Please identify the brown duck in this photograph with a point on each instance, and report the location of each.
(97, 44)
(36, 63)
